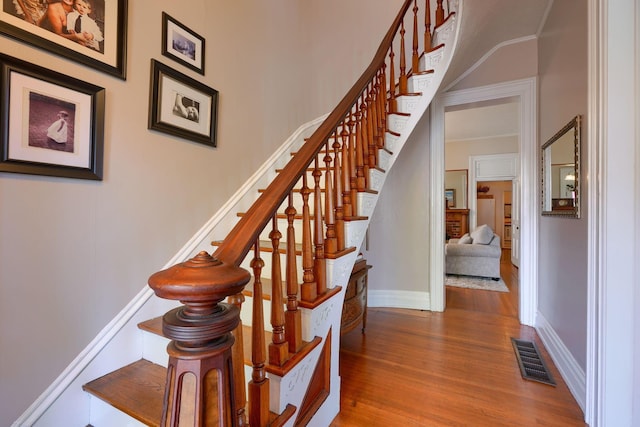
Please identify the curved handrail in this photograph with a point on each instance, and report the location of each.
(238, 242)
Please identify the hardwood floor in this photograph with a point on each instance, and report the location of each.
(457, 368)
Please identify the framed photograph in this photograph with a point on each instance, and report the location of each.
(52, 124)
(182, 106)
(450, 197)
(90, 32)
(181, 44)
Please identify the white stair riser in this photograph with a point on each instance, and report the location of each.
(383, 159)
(391, 142)
(443, 33)
(420, 83)
(366, 204)
(397, 122)
(355, 232)
(408, 103)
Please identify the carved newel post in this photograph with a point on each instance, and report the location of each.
(200, 389)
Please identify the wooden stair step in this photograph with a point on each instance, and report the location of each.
(155, 326)
(136, 389)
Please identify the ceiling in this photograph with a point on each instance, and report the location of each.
(486, 24)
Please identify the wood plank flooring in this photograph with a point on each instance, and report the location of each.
(457, 368)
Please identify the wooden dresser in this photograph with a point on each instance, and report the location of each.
(457, 223)
(354, 310)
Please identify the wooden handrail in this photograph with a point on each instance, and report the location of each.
(238, 242)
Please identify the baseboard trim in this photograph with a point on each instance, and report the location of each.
(399, 299)
(569, 368)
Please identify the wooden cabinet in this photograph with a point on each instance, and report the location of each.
(457, 223)
(354, 310)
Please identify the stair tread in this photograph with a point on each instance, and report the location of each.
(155, 326)
(136, 389)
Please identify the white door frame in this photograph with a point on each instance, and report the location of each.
(509, 167)
(525, 91)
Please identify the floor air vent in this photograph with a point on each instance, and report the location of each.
(531, 364)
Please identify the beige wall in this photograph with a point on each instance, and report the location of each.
(399, 227)
(73, 253)
(343, 37)
(508, 62)
(563, 90)
(457, 153)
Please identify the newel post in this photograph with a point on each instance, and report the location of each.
(200, 389)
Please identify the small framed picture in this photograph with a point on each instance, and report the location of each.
(181, 44)
(90, 32)
(182, 106)
(52, 124)
(450, 197)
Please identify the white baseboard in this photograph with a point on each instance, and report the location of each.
(571, 372)
(399, 299)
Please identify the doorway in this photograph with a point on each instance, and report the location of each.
(524, 92)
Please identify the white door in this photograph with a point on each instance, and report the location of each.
(515, 222)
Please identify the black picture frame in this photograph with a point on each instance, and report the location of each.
(182, 44)
(52, 124)
(181, 106)
(28, 24)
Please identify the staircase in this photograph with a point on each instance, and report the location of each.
(283, 250)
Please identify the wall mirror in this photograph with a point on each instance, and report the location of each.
(561, 172)
(455, 188)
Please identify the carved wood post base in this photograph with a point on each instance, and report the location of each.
(194, 381)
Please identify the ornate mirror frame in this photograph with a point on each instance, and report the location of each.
(560, 184)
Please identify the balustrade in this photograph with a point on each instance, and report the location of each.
(347, 144)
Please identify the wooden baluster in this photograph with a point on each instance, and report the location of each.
(259, 384)
(337, 186)
(415, 58)
(375, 127)
(363, 182)
(318, 237)
(371, 136)
(393, 102)
(278, 348)
(309, 290)
(403, 83)
(427, 26)
(377, 120)
(293, 316)
(353, 155)
(237, 355)
(383, 104)
(346, 168)
(439, 13)
(379, 106)
(330, 241)
(200, 331)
